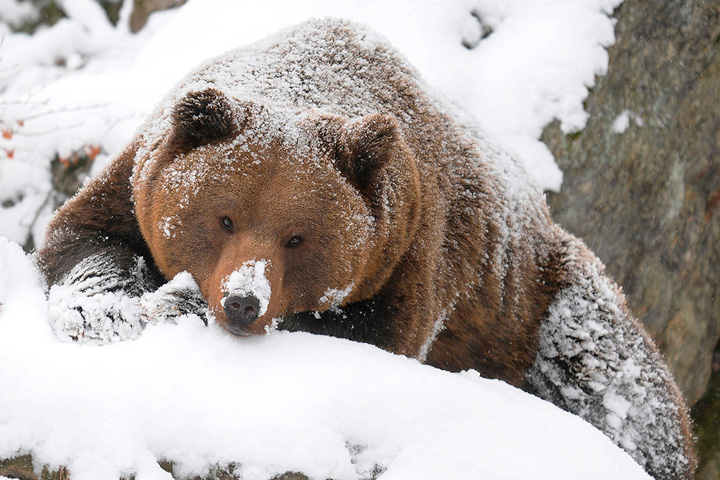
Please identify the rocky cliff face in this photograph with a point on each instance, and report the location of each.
(642, 180)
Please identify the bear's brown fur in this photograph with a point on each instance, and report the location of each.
(379, 214)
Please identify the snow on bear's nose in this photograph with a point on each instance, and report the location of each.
(246, 295)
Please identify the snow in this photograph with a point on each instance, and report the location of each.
(23, 191)
(335, 296)
(330, 408)
(15, 12)
(249, 280)
(622, 121)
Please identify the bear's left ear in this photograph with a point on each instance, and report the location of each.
(365, 146)
(200, 118)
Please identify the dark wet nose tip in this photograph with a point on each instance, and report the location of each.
(241, 311)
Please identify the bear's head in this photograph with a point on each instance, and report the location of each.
(275, 212)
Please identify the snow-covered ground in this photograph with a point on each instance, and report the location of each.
(326, 407)
(284, 402)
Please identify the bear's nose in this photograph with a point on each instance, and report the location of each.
(241, 311)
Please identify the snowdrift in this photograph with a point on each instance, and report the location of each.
(328, 408)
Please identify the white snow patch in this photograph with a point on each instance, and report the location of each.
(24, 194)
(438, 326)
(622, 121)
(16, 12)
(333, 297)
(617, 404)
(167, 226)
(249, 280)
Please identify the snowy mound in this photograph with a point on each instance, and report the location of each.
(329, 408)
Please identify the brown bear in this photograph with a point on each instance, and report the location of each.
(314, 182)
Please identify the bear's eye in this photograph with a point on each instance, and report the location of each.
(294, 241)
(228, 224)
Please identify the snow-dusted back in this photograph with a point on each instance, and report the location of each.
(283, 402)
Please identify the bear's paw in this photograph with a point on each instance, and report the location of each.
(99, 318)
(179, 297)
(98, 302)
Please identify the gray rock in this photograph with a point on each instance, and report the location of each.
(647, 200)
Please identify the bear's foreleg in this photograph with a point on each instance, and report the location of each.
(98, 301)
(596, 361)
(103, 283)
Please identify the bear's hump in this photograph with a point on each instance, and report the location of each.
(331, 64)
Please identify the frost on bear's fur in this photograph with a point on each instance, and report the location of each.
(378, 212)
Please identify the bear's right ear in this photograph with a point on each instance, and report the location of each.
(201, 118)
(365, 146)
